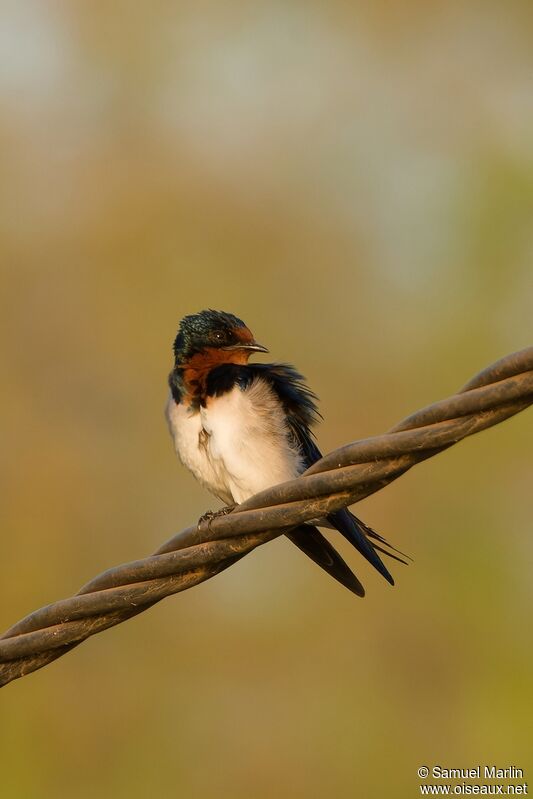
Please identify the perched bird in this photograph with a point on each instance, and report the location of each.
(241, 428)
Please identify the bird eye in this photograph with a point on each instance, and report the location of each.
(219, 335)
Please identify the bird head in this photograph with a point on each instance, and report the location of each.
(214, 330)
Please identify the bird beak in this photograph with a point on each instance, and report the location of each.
(252, 345)
(255, 347)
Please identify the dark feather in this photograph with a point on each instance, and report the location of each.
(348, 524)
(315, 546)
(299, 403)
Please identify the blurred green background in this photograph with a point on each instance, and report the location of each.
(356, 182)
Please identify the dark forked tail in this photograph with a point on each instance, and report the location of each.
(317, 547)
(363, 537)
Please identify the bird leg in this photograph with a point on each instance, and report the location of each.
(208, 517)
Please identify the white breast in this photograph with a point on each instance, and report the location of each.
(237, 445)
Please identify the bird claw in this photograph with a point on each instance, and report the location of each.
(205, 520)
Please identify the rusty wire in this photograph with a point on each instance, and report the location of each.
(341, 478)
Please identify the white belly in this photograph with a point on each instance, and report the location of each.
(190, 443)
(238, 444)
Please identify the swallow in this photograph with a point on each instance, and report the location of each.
(242, 427)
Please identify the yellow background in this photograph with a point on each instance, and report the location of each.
(356, 182)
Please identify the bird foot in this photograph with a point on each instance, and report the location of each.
(205, 520)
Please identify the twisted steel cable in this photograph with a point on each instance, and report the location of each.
(345, 476)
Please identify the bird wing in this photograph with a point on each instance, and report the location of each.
(299, 403)
(300, 411)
